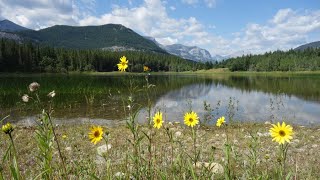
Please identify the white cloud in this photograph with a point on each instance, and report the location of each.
(190, 2)
(210, 3)
(172, 8)
(287, 29)
(36, 14)
(167, 40)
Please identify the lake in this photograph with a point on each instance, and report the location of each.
(103, 98)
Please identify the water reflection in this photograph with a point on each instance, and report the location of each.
(253, 104)
(257, 98)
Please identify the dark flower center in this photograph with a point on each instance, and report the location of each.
(158, 120)
(96, 134)
(282, 133)
(190, 119)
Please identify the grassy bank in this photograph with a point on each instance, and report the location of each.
(253, 153)
(219, 71)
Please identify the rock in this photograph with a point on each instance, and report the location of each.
(247, 136)
(296, 141)
(170, 123)
(217, 135)
(263, 134)
(314, 146)
(68, 148)
(215, 168)
(267, 123)
(300, 150)
(119, 174)
(178, 134)
(101, 150)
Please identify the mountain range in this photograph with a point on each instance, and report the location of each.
(113, 37)
(188, 52)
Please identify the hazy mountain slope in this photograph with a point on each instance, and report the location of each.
(8, 26)
(315, 44)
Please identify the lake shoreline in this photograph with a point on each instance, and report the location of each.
(220, 71)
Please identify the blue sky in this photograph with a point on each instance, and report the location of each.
(224, 27)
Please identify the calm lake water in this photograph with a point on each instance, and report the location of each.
(101, 99)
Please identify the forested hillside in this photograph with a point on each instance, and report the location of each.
(30, 57)
(91, 37)
(306, 60)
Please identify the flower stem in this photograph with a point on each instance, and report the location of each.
(14, 157)
(58, 145)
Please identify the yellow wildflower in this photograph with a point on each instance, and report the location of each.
(146, 68)
(7, 128)
(123, 65)
(95, 134)
(281, 133)
(220, 121)
(191, 119)
(157, 120)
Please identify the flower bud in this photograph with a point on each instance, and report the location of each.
(7, 128)
(25, 98)
(34, 86)
(52, 94)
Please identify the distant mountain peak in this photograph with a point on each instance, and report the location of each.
(189, 52)
(315, 44)
(9, 26)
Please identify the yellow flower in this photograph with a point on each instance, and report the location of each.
(157, 120)
(64, 136)
(281, 133)
(220, 121)
(7, 128)
(191, 119)
(146, 68)
(123, 65)
(96, 134)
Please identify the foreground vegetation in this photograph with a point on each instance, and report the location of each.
(253, 152)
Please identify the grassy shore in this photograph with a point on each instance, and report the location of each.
(170, 159)
(219, 71)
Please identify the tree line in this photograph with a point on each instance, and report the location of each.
(31, 57)
(292, 60)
